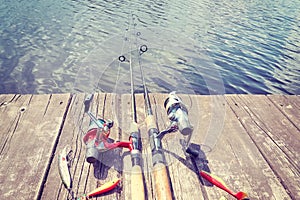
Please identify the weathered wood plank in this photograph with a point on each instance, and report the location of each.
(123, 111)
(276, 126)
(289, 106)
(250, 166)
(146, 151)
(10, 114)
(26, 156)
(7, 98)
(237, 134)
(268, 129)
(110, 161)
(70, 137)
(207, 114)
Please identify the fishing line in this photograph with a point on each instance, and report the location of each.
(162, 184)
(137, 178)
(122, 58)
(79, 120)
(125, 39)
(122, 50)
(140, 50)
(133, 104)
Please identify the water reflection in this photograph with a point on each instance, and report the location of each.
(201, 47)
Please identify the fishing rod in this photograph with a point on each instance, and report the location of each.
(137, 179)
(160, 172)
(97, 141)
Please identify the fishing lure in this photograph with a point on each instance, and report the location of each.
(220, 184)
(63, 168)
(102, 189)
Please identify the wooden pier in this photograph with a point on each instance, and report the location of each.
(251, 141)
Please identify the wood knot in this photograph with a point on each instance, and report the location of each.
(4, 104)
(22, 109)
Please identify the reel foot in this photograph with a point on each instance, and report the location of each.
(193, 152)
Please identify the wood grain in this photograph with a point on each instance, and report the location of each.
(250, 141)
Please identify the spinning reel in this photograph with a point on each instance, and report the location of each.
(97, 139)
(178, 115)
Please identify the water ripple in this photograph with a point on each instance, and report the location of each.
(203, 47)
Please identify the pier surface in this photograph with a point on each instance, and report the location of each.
(252, 142)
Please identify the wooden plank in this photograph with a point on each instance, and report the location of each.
(71, 133)
(207, 114)
(237, 133)
(181, 171)
(146, 151)
(10, 109)
(246, 164)
(275, 125)
(7, 98)
(124, 114)
(268, 129)
(26, 156)
(125, 120)
(289, 106)
(110, 161)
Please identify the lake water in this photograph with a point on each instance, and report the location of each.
(194, 46)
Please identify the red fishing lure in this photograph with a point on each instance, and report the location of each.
(102, 189)
(220, 184)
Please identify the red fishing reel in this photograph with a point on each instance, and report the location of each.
(97, 140)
